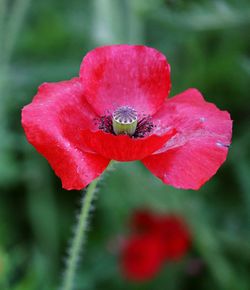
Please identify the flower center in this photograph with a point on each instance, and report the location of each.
(124, 121)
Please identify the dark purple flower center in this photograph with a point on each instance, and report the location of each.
(126, 121)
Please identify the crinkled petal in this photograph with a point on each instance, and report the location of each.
(200, 146)
(118, 75)
(51, 123)
(123, 147)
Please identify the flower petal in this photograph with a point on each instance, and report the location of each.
(142, 257)
(119, 75)
(200, 146)
(57, 109)
(144, 221)
(122, 147)
(175, 235)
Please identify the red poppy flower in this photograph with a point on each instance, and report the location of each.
(175, 234)
(118, 109)
(156, 238)
(171, 229)
(144, 221)
(141, 258)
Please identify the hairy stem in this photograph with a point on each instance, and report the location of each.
(79, 237)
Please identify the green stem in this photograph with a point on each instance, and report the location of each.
(79, 237)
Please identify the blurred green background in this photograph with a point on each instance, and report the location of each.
(208, 46)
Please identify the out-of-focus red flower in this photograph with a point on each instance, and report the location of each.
(144, 221)
(155, 239)
(141, 257)
(117, 109)
(175, 235)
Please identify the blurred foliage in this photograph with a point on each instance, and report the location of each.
(208, 46)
